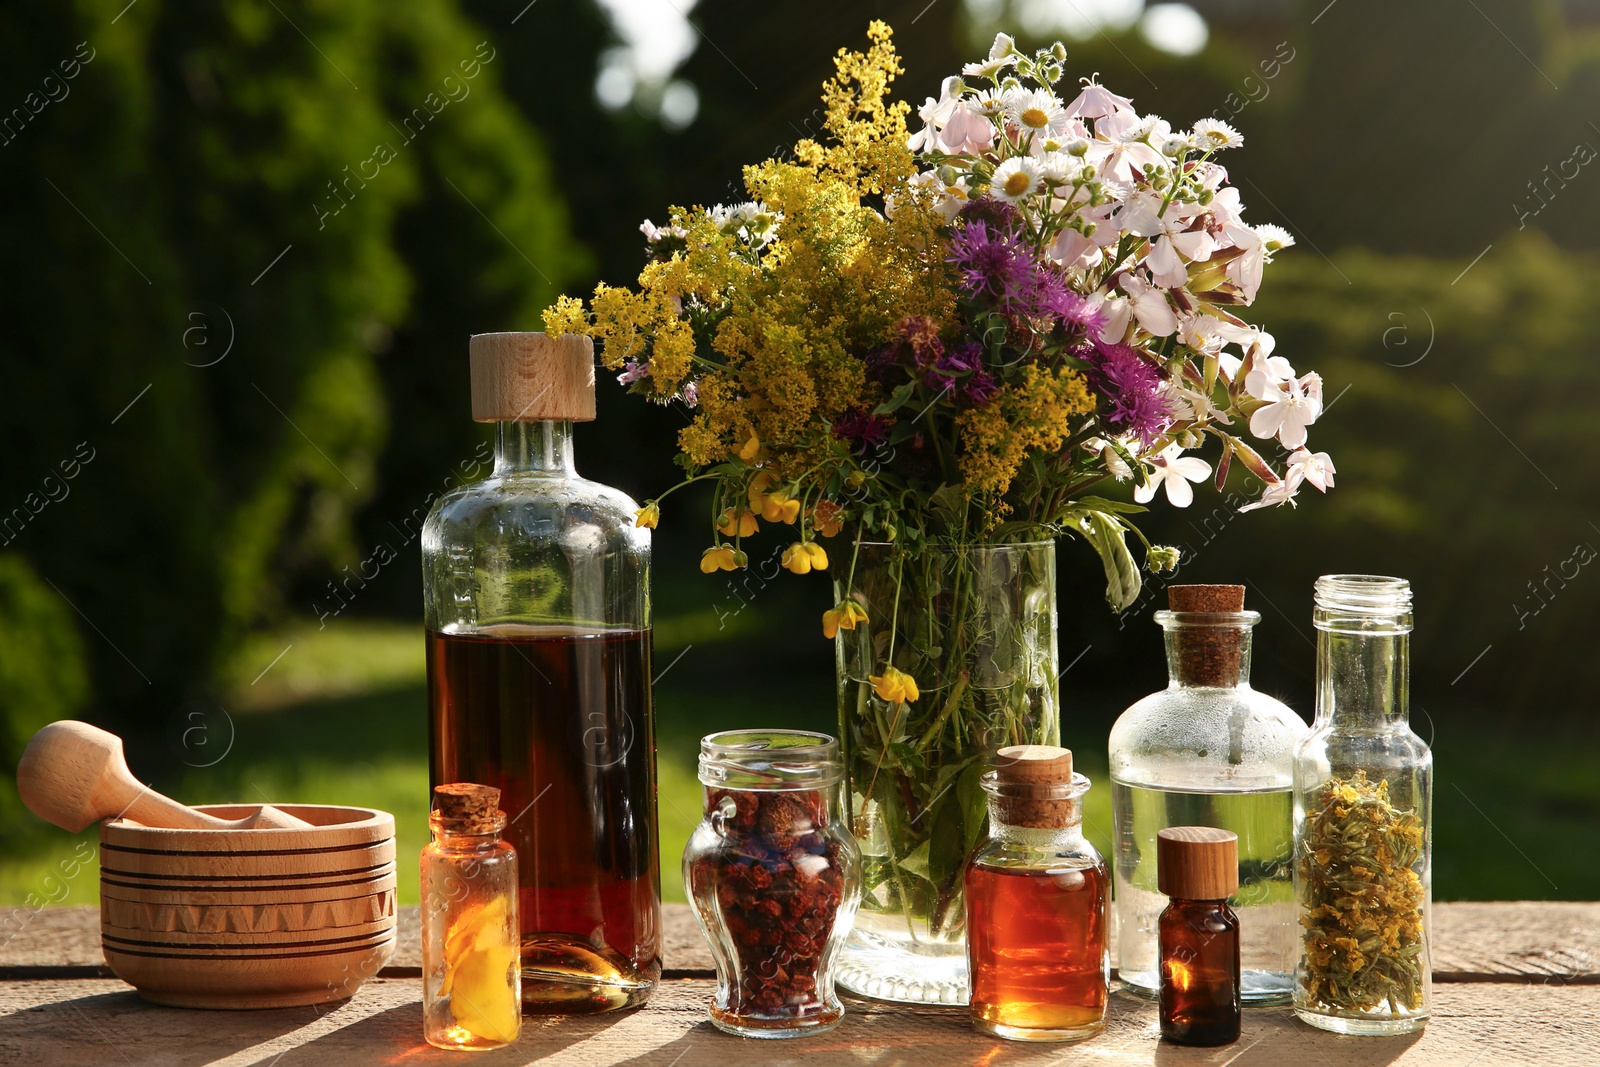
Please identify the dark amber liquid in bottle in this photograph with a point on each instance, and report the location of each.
(1036, 945)
(1199, 995)
(560, 721)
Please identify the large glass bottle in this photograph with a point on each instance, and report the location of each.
(1363, 807)
(537, 601)
(1207, 751)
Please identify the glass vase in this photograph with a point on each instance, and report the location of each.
(1363, 798)
(975, 627)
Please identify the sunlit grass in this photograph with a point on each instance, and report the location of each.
(343, 722)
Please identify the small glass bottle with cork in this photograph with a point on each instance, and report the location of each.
(1036, 898)
(1198, 868)
(1208, 750)
(471, 974)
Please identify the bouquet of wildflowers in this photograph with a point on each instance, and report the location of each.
(955, 337)
(959, 334)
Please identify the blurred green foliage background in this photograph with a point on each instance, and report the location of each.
(235, 363)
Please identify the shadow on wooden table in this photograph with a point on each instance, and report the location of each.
(101, 1028)
(394, 1035)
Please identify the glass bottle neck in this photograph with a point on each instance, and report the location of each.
(1036, 836)
(1208, 657)
(1363, 679)
(543, 447)
(451, 838)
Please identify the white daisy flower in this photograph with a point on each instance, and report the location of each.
(1059, 167)
(1274, 238)
(989, 102)
(1036, 111)
(1213, 135)
(1015, 179)
(1002, 54)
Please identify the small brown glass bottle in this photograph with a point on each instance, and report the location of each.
(1198, 868)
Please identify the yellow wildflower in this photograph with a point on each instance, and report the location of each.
(774, 506)
(740, 524)
(845, 615)
(566, 315)
(721, 558)
(803, 557)
(894, 685)
(752, 445)
(648, 516)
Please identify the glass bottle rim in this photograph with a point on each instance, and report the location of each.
(770, 760)
(1223, 620)
(460, 827)
(1370, 605)
(1073, 790)
(1363, 594)
(957, 548)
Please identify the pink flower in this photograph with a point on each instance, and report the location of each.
(1096, 102)
(967, 133)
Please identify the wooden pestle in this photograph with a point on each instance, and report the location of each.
(73, 774)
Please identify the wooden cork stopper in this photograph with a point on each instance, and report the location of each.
(1022, 770)
(1205, 597)
(529, 377)
(1197, 862)
(469, 807)
(1209, 656)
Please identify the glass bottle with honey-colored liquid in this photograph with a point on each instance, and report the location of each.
(537, 601)
(1036, 904)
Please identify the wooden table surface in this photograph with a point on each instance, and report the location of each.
(1515, 983)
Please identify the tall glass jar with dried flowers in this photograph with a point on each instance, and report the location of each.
(1363, 800)
(938, 347)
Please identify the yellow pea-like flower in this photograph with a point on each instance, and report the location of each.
(827, 518)
(648, 516)
(742, 524)
(720, 558)
(843, 616)
(797, 559)
(818, 556)
(895, 686)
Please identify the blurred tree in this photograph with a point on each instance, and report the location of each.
(220, 193)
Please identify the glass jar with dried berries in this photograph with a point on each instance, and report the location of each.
(775, 878)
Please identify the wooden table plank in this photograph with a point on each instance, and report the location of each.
(1506, 942)
(51, 1023)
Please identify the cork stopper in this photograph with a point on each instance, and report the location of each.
(469, 807)
(1197, 862)
(1207, 655)
(529, 377)
(1032, 784)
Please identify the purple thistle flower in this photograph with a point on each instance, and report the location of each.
(866, 432)
(996, 213)
(993, 264)
(980, 388)
(1129, 388)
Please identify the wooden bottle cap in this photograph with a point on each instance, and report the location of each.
(1197, 862)
(1029, 781)
(1205, 597)
(469, 807)
(529, 377)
